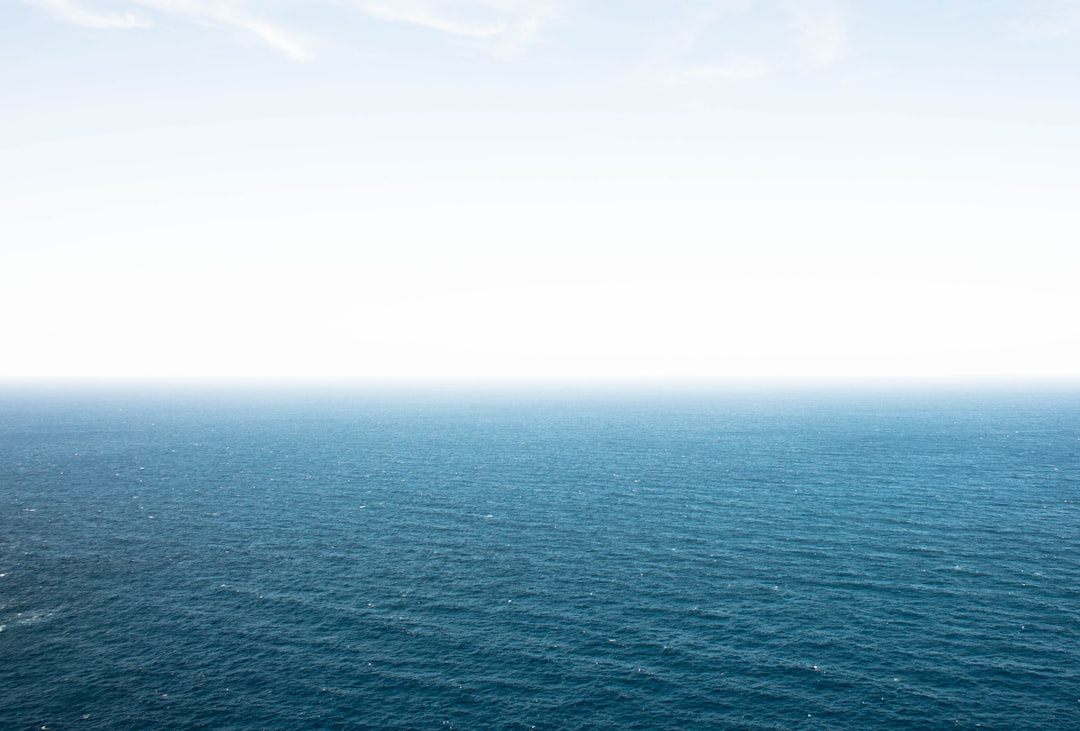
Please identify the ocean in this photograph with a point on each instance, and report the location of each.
(514, 560)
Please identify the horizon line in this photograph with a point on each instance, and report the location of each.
(504, 384)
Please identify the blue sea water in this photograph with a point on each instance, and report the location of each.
(514, 561)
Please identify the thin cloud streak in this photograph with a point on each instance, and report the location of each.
(511, 23)
(212, 13)
(815, 30)
(504, 24)
(417, 14)
(275, 37)
(232, 14)
(71, 12)
(797, 32)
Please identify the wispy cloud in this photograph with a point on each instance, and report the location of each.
(507, 22)
(75, 13)
(232, 13)
(273, 36)
(740, 40)
(419, 14)
(693, 41)
(820, 30)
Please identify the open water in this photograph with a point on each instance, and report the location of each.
(506, 561)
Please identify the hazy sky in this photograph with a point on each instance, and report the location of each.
(525, 189)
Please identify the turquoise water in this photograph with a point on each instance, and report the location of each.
(423, 561)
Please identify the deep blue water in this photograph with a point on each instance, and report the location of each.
(412, 561)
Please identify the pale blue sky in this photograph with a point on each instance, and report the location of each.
(370, 189)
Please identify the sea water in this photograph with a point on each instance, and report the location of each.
(516, 561)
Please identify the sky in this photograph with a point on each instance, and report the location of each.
(599, 190)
